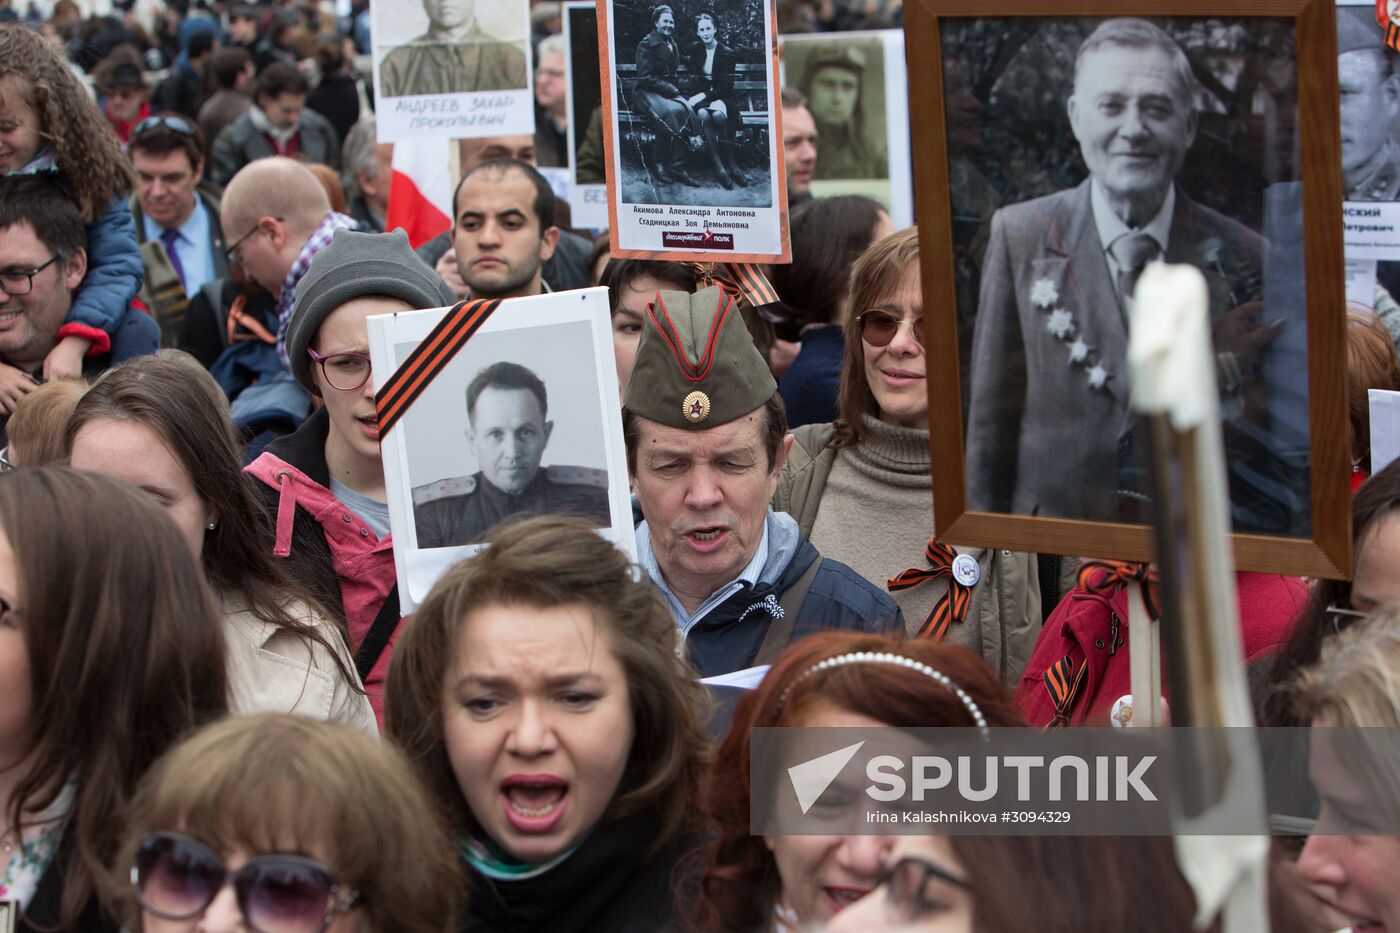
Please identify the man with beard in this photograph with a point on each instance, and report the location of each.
(504, 229)
(453, 57)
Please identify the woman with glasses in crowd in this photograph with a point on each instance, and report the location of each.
(324, 483)
(284, 825)
(161, 423)
(541, 693)
(110, 652)
(861, 491)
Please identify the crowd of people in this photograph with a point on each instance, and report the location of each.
(214, 714)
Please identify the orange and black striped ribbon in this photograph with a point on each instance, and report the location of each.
(1106, 577)
(745, 282)
(1389, 30)
(428, 359)
(953, 605)
(1062, 682)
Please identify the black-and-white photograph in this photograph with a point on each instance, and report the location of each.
(856, 96)
(532, 444)
(692, 91)
(523, 419)
(1370, 107)
(452, 47)
(843, 80)
(1079, 151)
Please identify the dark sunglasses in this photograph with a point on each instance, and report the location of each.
(177, 878)
(178, 125)
(878, 327)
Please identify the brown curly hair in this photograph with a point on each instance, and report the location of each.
(94, 168)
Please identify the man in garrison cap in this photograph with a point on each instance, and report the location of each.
(706, 434)
(1370, 93)
(507, 408)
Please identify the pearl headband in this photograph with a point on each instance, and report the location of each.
(898, 660)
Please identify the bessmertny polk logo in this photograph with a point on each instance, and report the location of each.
(1388, 18)
(697, 239)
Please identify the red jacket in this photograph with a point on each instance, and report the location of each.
(1083, 628)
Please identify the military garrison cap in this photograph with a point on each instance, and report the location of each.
(696, 364)
(1357, 29)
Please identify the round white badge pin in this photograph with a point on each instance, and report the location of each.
(966, 570)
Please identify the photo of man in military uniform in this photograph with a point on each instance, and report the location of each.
(835, 84)
(507, 412)
(1370, 92)
(455, 56)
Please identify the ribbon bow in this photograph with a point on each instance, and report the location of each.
(1106, 577)
(1062, 682)
(953, 605)
(743, 282)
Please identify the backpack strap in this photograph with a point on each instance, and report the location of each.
(779, 632)
(377, 638)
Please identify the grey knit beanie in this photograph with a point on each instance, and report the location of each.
(352, 266)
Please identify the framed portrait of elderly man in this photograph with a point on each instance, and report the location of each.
(452, 69)
(857, 92)
(692, 130)
(1057, 155)
(518, 416)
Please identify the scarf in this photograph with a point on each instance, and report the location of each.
(280, 138)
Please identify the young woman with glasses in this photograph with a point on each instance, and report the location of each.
(277, 824)
(860, 487)
(110, 652)
(325, 481)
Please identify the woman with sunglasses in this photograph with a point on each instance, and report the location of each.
(541, 693)
(110, 652)
(832, 679)
(161, 423)
(325, 482)
(277, 824)
(861, 491)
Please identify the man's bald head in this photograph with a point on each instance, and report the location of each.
(485, 148)
(269, 211)
(274, 187)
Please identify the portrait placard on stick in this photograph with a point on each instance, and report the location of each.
(857, 91)
(693, 130)
(1058, 155)
(452, 69)
(588, 191)
(491, 410)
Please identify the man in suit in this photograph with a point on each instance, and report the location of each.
(1049, 426)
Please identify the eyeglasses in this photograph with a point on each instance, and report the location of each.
(878, 328)
(1342, 618)
(906, 886)
(177, 878)
(231, 254)
(343, 371)
(15, 282)
(174, 124)
(5, 464)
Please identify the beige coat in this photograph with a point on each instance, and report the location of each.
(275, 670)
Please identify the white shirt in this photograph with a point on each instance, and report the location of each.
(1112, 228)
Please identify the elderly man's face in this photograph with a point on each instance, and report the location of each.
(1369, 98)
(29, 323)
(1133, 119)
(834, 93)
(449, 14)
(508, 434)
(705, 497)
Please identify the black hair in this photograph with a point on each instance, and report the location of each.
(226, 65)
(161, 140)
(44, 204)
(508, 376)
(280, 78)
(621, 273)
(543, 205)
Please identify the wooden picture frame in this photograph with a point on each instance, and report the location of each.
(1318, 542)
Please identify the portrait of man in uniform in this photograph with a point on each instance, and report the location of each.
(835, 83)
(1049, 428)
(1370, 104)
(455, 56)
(509, 430)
